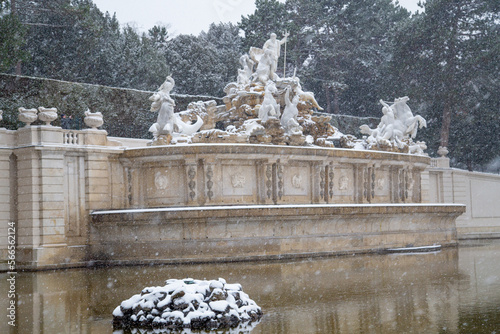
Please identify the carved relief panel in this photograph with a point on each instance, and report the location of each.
(238, 180)
(164, 185)
(296, 181)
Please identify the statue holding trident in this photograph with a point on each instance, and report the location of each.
(284, 58)
(267, 57)
(274, 45)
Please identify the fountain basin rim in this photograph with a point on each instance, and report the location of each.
(239, 148)
(459, 208)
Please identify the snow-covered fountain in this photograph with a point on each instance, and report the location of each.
(264, 176)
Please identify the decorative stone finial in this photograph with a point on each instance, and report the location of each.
(27, 116)
(47, 115)
(93, 120)
(442, 151)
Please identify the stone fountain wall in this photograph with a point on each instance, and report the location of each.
(76, 197)
(235, 174)
(198, 203)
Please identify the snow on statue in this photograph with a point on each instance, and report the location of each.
(397, 127)
(267, 58)
(269, 107)
(262, 108)
(167, 122)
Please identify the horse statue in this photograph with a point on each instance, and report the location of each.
(397, 125)
(406, 120)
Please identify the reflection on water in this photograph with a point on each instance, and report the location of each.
(452, 291)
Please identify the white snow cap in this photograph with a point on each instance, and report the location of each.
(188, 303)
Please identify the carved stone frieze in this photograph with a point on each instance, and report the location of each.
(269, 181)
(279, 169)
(331, 175)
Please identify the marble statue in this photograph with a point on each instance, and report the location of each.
(274, 46)
(305, 96)
(397, 126)
(263, 72)
(167, 86)
(267, 58)
(164, 104)
(418, 148)
(408, 123)
(289, 118)
(245, 74)
(269, 107)
(167, 122)
(385, 131)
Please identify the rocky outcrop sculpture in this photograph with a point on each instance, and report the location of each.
(396, 130)
(28, 116)
(47, 115)
(188, 303)
(268, 109)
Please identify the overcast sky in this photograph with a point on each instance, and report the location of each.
(186, 16)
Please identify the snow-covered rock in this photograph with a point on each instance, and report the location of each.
(188, 303)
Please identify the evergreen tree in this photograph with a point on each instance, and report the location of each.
(228, 45)
(159, 36)
(194, 66)
(73, 40)
(12, 38)
(448, 56)
(269, 16)
(206, 63)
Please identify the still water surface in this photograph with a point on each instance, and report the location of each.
(455, 290)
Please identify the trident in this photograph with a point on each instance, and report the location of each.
(286, 33)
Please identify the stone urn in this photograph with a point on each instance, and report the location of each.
(47, 115)
(442, 151)
(93, 119)
(28, 116)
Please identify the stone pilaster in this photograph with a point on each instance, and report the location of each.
(8, 209)
(98, 176)
(29, 224)
(52, 197)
